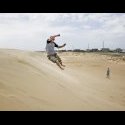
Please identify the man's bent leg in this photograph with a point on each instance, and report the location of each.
(58, 64)
(60, 61)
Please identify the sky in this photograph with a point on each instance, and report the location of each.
(29, 31)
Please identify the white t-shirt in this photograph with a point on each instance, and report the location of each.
(50, 47)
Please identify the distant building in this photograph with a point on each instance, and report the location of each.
(118, 50)
(69, 50)
(94, 50)
(88, 50)
(123, 50)
(105, 50)
(78, 50)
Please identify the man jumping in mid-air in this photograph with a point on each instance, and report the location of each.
(51, 54)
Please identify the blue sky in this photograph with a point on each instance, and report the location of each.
(29, 31)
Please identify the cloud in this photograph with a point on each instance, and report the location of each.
(30, 30)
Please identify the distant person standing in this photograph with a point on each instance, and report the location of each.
(108, 73)
(51, 53)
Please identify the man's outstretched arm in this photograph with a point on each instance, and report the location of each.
(62, 46)
(53, 37)
(56, 35)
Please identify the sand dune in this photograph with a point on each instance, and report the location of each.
(29, 81)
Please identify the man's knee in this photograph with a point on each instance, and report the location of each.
(59, 59)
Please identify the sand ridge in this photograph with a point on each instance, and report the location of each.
(29, 81)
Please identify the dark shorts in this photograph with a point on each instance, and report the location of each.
(54, 58)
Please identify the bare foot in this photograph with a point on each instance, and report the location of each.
(58, 64)
(63, 65)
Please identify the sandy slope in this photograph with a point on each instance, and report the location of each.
(28, 81)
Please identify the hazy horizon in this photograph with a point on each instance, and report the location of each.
(29, 31)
